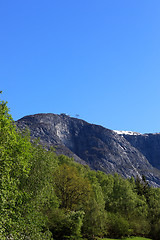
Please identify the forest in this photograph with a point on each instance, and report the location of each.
(45, 196)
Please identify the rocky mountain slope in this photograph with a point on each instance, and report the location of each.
(127, 153)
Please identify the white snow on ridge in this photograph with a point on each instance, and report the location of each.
(127, 132)
(134, 133)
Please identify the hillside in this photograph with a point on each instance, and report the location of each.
(127, 153)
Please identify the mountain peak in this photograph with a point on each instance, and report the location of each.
(124, 152)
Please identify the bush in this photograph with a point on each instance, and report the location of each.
(65, 225)
(118, 226)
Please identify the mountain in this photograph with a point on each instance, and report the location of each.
(148, 145)
(126, 153)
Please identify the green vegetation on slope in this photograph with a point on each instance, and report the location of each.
(44, 196)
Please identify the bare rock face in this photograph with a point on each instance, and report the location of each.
(148, 145)
(100, 148)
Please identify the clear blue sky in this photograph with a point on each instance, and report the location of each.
(96, 58)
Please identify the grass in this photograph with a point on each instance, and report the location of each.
(137, 238)
(131, 238)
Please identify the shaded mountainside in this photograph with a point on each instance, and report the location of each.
(148, 145)
(100, 148)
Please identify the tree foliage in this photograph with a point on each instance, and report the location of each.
(72, 189)
(20, 213)
(44, 196)
(15, 153)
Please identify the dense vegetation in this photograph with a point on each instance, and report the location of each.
(44, 196)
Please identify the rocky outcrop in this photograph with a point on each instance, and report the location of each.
(148, 145)
(99, 147)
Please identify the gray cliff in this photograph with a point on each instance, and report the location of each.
(148, 145)
(99, 147)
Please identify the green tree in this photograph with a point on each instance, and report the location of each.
(118, 226)
(73, 191)
(65, 224)
(15, 152)
(40, 181)
(154, 212)
(95, 223)
(106, 182)
(71, 188)
(19, 219)
(122, 198)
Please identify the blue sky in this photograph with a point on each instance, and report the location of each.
(96, 58)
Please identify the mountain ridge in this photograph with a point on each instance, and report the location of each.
(99, 147)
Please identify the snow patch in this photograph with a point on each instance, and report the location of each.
(126, 132)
